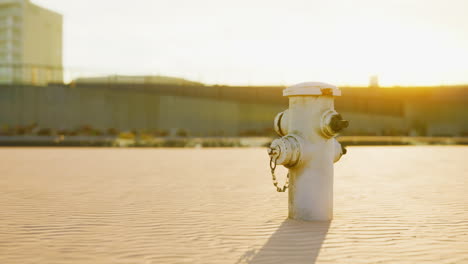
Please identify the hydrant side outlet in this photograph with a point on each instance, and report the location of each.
(308, 148)
(281, 123)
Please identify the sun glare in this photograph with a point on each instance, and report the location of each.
(267, 42)
(399, 54)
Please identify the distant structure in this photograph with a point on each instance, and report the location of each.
(374, 81)
(30, 44)
(135, 79)
(214, 111)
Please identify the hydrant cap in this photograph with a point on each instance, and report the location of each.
(312, 88)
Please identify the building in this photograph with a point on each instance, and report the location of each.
(374, 81)
(30, 44)
(136, 79)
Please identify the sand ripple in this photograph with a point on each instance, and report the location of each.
(392, 205)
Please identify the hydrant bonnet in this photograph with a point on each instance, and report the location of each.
(312, 88)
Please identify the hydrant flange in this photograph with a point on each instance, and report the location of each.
(332, 123)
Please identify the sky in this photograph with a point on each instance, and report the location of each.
(268, 42)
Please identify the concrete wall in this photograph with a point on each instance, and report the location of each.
(219, 111)
(63, 107)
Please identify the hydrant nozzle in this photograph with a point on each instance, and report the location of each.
(338, 123)
(286, 151)
(308, 148)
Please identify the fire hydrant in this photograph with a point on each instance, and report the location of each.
(308, 148)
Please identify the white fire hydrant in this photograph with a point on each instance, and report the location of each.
(308, 148)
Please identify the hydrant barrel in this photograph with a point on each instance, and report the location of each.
(312, 124)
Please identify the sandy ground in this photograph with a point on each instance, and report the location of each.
(65, 205)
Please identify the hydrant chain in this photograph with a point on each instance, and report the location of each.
(275, 181)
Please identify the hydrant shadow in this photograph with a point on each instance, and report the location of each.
(293, 242)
